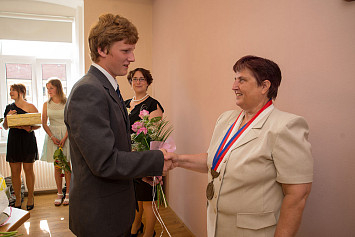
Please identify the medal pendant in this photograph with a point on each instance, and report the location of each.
(210, 190)
(214, 173)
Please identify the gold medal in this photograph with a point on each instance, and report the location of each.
(210, 186)
(210, 190)
(214, 173)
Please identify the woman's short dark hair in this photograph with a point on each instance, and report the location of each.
(146, 74)
(262, 69)
(20, 88)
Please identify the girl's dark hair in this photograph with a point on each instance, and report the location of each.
(146, 74)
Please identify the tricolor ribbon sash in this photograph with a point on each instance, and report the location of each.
(225, 146)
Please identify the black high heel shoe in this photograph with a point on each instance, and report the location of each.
(140, 230)
(30, 207)
(13, 205)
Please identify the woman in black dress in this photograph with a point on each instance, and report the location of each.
(21, 145)
(140, 79)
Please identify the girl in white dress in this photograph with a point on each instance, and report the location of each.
(56, 134)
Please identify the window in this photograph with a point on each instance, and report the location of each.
(35, 47)
(19, 73)
(34, 73)
(53, 70)
(48, 69)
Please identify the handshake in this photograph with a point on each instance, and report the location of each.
(194, 162)
(170, 162)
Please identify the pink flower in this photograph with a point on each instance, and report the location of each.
(142, 129)
(143, 113)
(137, 125)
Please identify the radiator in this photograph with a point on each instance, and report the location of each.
(44, 173)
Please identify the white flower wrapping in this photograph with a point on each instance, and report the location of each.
(168, 145)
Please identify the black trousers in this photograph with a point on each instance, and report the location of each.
(127, 233)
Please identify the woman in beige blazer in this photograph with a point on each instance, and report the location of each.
(259, 163)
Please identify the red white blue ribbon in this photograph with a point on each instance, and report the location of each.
(225, 146)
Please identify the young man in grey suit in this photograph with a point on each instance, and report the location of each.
(102, 199)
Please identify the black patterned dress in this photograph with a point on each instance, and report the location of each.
(143, 189)
(21, 145)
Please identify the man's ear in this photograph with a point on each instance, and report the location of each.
(266, 86)
(103, 53)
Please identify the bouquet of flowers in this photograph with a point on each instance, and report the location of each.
(60, 161)
(152, 134)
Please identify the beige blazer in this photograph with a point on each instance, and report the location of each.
(248, 192)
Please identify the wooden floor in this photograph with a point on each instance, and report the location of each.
(49, 220)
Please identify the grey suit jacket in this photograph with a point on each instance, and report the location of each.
(102, 200)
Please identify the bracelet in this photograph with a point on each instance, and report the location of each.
(51, 136)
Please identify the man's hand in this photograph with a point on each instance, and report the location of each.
(152, 181)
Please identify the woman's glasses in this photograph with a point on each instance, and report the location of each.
(141, 79)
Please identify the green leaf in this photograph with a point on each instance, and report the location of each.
(155, 119)
(57, 153)
(140, 137)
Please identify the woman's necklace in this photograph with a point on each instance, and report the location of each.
(134, 98)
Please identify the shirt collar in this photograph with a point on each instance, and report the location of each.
(108, 75)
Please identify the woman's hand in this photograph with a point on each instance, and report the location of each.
(11, 112)
(62, 142)
(55, 140)
(24, 127)
(28, 128)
